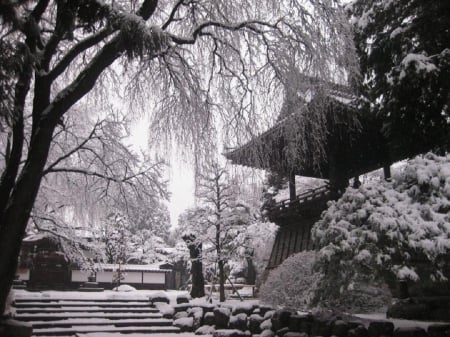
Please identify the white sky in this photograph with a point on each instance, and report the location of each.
(181, 177)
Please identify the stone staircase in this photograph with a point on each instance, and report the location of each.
(63, 317)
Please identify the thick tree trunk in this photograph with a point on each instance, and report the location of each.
(15, 218)
(221, 281)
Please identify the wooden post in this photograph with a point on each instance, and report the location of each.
(292, 191)
(387, 172)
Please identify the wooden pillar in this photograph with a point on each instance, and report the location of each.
(387, 172)
(292, 191)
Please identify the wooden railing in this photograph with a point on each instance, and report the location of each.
(318, 193)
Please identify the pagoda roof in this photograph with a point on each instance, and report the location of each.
(353, 144)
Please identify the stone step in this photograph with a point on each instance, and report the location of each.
(107, 300)
(104, 329)
(67, 303)
(64, 315)
(120, 322)
(92, 309)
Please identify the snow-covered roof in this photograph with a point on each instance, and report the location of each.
(132, 267)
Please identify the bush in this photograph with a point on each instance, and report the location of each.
(388, 230)
(297, 284)
(292, 283)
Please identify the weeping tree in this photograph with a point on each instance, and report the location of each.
(195, 63)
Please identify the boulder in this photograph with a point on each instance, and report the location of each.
(182, 307)
(238, 322)
(340, 328)
(438, 330)
(266, 325)
(254, 322)
(295, 334)
(359, 331)
(186, 324)
(205, 330)
(183, 299)
(180, 314)
(267, 333)
(230, 333)
(410, 332)
(158, 297)
(378, 329)
(280, 319)
(208, 319)
(281, 332)
(221, 317)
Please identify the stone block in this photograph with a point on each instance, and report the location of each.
(281, 332)
(208, 318)
(221, 317)
(410, 332)
(254, 322)
(238, 322)
(13, 328)
(438, 330)
(340, 328)
(280, 319)
(378, 329)
(183, 299)
(359, 331)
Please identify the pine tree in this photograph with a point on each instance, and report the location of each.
(405, 63)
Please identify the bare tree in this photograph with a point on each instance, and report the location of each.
(187, 54)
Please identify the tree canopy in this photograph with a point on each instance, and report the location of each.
(192, 62)
(405, 64)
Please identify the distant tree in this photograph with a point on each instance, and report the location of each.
(115, 236)
(405, 64)
(195, 62)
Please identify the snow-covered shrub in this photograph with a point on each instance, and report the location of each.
(292, 283)
(388, 230)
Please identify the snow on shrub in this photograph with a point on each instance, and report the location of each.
(292, 283)
(387, 230)
(124, 288)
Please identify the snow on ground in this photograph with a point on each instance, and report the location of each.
(399, 323)
(115, 334)
(101, 295)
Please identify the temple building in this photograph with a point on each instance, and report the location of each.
(352, 144)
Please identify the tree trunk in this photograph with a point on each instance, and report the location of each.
(221, 281)
(15, 218)
(195, 253)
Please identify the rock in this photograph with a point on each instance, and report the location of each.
(166, 310)
(409, 310)
(321, 327)
(180, 314)
(267, 333)
(230, 333)
(221, 317)
(238, 322)
(410, 332)
(265, 308)
(158, 297)
(208, 319)
(281, 332)
(378, 329)
(182, 307)
(13, 328)
(266, 325)
(186, 324)
(268, 314)
(205, 330)
(438, 330)
(183, 299)
(244, 308)
(359, 331)
(340, 328)
(300, 323)
(254, 322)
(280, 319)
(197, 314)
(295, 334)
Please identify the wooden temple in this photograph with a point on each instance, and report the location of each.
(354, 145)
